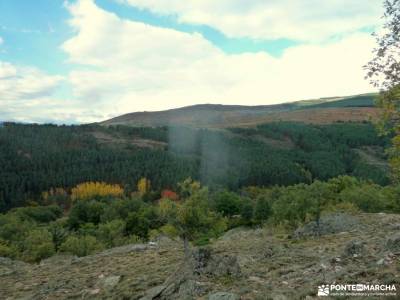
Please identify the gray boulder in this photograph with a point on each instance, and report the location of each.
(354, 249)
(9, 266)
(205, 262)
(109, 282)
(186, 282)
(393, 243)
(329, 224)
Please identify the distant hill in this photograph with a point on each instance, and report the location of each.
(320, 111)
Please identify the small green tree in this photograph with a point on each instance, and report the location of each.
(58, 233)
(294, 206)
(141, 222)
(227, 203)
(262, 209)
(86, 212)
(112, 233)
(194, 218)
(247, 212)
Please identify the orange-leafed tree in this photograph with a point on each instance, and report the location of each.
(90, 190)
(169, 194)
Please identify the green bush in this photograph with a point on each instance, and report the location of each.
(111, 234)
(227, 203)
(120, 208)
(86, 212)
(40, 214)
(7, 250)
(12, 228)
(294, 206)
(38, 245)
(81, 245)
(140, 223)
(58, 233)
(262, 210)
(247, 212)
(367, 197)
(169, 230)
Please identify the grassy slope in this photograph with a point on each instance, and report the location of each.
(354, 108)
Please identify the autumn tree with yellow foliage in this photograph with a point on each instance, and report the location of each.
(90, 190)
(143, 186)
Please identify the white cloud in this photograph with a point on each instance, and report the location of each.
(27, 94)
(21, 83)
(271, 19)
(132, 66)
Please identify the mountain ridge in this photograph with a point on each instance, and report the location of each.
(352, 108)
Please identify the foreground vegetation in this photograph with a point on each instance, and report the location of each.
(95, 216)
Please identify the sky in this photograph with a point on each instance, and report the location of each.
(81, 61)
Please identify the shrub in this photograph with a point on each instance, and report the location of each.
(262, 210)
(111, 234)
(367, 197)
(7, 250)
(58, 233)
(167, 210)
(169, 230)
(346, 207)
(138, 224)
(13, 228)
(40, 214)
(86, 212)
(38, 245)
(81, 245)
(294, 206)
(392, 194)
(120, 208)
(227, 203)
(247, 212)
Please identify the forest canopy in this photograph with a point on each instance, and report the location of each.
(35, 159)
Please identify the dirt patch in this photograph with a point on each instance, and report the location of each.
(316, 116)
(108, 139)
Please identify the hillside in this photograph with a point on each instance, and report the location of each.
(37, 158)
(252, 264)
(321, 111)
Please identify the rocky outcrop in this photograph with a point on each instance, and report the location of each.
(246, 264)
(205, 262)
(329, 224)
(393, 243)
(109, 282)
(354, 249)
(9, 266)
(191, 278)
